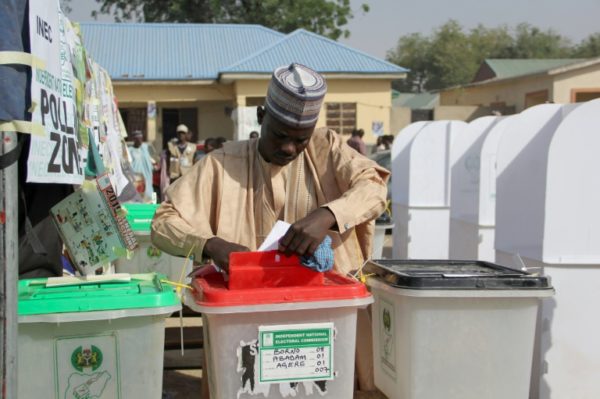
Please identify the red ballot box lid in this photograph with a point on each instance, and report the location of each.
(257, 278)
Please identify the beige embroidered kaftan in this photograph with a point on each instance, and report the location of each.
(234, 194)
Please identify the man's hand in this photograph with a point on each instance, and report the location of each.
(304, 236)
(218, 250)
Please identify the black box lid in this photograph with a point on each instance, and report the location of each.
(453, 275)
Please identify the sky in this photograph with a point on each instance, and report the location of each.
(378, 31)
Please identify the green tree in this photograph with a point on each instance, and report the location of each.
(450, 56)
(588, 48)
(531, 42)
(412, 51)
(490, 43)
(325, 17)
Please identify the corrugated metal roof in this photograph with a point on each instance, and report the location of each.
(416, 100)
(510, 68)
(167, 51)
(318, 52)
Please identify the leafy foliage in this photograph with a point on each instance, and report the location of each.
(412, 52)
(451, 56)
(325, 17)
(530, 42)
(589, 47)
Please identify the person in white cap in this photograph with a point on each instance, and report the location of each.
(294, 172)
(181, 154)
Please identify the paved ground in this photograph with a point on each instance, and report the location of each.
(183, 384)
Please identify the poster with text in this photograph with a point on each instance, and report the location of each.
(55, 157)
(245, 121)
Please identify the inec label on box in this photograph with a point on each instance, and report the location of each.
(87, 367)
(387, 336)
(298, 352)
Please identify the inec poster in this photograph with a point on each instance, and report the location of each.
(54, 158)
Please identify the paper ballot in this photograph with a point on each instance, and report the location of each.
(272, 241)
(269, 244)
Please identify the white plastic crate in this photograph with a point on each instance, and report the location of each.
(453, 343)
(102, 340)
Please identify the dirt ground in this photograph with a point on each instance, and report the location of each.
(182, 384)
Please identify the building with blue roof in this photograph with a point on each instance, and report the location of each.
(213, 76)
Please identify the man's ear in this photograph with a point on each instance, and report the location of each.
(260, 114)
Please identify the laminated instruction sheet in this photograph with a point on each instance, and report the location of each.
(93, 226)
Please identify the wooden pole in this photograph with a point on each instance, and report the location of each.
(8, 267)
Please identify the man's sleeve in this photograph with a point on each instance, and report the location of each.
(184, 222)
(363, 183)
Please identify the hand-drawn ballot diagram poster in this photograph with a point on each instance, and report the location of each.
(55, 157)
(92, 226)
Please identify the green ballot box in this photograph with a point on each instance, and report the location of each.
(93, 338)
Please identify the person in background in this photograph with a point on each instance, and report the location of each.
(384, 143)
(219, 141)
(356, 141)
(388, 141)
(294, 172)
(200, 152)
(379, 144)
(254, 134)
(181, 154)
(210, 144)
(142, 162)
(163, 178)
